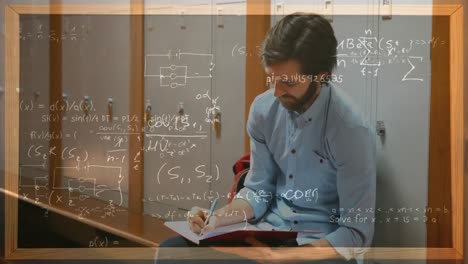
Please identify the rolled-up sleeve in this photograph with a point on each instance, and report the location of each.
(260, 182)
(353, 149)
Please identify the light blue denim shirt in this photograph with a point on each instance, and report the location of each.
(313, 171)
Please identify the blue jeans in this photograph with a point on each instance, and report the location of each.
(179, 241)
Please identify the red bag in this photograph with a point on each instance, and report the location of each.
(240, 169)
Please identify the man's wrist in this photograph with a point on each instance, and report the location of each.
(215, 221)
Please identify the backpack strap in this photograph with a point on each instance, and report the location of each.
(240, 169)
(242, 163)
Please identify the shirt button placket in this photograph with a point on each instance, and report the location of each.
(291, 160)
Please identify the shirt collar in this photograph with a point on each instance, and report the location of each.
(315, 110)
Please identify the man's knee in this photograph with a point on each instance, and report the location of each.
(176, 241)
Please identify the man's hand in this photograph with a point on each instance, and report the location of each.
(196, 221)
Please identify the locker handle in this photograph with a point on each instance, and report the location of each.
(380, 128)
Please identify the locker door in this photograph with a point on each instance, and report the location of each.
(94, 56)
(228, 92)
(95, 70)
(34, 102)
(178, 64)
(356, 68)
(403, 104)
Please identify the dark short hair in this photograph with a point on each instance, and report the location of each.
(307, 38)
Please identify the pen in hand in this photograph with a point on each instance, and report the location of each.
(210, 213)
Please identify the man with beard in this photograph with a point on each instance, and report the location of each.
(312, 154)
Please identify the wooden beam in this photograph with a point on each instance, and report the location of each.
(255, 7)
(446, 154)
(255, 76)
(12, 77)
(456, 128)
(410, 255)
(136, 97)
(439, 183)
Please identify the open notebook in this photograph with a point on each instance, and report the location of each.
(235, 232)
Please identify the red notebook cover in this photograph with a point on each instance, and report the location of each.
(234, 233)
(261, 235)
